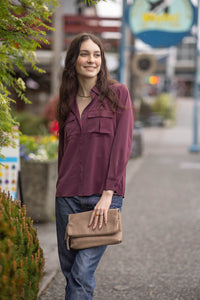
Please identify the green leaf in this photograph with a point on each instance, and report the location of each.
(23, 25)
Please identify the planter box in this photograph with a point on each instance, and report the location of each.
(38, 181)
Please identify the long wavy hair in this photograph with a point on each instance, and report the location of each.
(69, 82)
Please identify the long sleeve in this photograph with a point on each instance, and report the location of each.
(60, 150)
(122, 143)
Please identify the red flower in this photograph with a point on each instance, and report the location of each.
(54, 127)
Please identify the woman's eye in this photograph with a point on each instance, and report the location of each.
(85, 54)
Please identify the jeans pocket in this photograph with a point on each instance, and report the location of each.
(89, 202)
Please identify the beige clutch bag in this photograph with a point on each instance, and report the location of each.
(79, 236)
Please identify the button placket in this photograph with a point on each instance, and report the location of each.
(81, 161)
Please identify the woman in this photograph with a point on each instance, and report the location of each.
(95, 139)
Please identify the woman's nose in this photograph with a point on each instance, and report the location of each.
(91, 58)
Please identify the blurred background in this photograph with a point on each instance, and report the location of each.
(151, 46)
(147, 71)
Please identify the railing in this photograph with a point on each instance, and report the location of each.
(108, 29)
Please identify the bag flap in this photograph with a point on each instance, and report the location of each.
(78, 224)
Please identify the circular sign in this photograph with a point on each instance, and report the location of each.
(143, 64)
(161, 23)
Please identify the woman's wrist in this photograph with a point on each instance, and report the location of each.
(108, 193)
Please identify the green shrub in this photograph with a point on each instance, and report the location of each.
(31, 124)
(21, 257)
(164, 106)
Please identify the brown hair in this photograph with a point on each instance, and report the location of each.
(69, 82)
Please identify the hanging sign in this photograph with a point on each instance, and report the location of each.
(9, 169)
(161, 23)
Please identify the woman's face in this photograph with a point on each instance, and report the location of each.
(88, 63)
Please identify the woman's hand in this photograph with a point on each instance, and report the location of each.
(100, 212)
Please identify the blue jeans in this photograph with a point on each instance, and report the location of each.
(78, 266)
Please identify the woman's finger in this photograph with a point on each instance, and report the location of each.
(101, 216)
(92, 218)
(105, 216)
(96, 219)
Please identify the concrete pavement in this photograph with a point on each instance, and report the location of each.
(48, 242)
(159, 258)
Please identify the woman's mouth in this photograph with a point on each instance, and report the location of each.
(89, 68)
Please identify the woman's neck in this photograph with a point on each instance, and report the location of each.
(85, 86)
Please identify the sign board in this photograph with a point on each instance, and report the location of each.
(9, 169)
(161, 23)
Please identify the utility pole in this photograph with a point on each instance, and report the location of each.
(57, 48)
(195, 147)
(122, 45)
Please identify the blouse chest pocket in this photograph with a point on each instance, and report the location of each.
(71, 126)
(100, 122)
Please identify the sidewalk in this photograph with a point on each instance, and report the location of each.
(160, 254)
(48, 242)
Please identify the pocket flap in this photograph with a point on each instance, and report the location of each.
(100, 114)
(70, 118)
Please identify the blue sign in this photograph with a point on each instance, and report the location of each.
(9, 168)
(161, 23)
